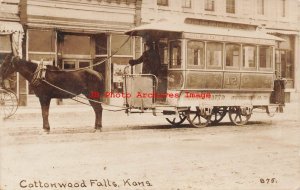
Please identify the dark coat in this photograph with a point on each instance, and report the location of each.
(150, 60)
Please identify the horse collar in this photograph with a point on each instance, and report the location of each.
(39, 74)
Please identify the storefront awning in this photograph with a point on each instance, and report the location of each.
(200, 29)
(16, 31)
(10, 27)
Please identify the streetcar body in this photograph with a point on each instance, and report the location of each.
(208, 68)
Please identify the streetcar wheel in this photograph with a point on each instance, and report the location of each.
(218, 113)
(15, 101)
(197, 120)
(8, 103)
(176, 121)
(236, 116)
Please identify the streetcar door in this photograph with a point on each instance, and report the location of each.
(140, 90)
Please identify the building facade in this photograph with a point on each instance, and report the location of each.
(276, 17)
(78, 33)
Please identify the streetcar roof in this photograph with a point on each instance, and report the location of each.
(180, 28)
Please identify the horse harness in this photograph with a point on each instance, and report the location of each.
(38, 75)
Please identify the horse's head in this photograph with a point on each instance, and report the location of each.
(8, 66)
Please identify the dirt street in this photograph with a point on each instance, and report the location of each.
(264, 155)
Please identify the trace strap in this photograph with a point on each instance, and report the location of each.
(123, 108)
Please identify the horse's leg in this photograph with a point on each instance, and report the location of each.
(45, 104)
(98, 114)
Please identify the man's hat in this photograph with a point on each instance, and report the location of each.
(149, 42)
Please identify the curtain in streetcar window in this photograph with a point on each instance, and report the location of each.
(265, 57)
(214, 52)
(175, 54)
(232, 56)
(163, 52)
(195, 55)
(249, 57)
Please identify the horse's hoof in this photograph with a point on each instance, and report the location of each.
(46, 130)
(99, 129)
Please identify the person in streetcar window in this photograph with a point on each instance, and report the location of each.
(150, 59)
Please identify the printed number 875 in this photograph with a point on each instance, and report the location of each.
(268, 180)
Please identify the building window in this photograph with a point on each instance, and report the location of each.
(162, 2)
(284, 59)
(249, 57)
(282, 8)
(41, 41)
(41, 47)
(214, 52)
(5, 46)
(195, 55)
(187, 3)
(77, 44)
(76, 50)
(209, 5)
(122, 52)
(101, 44)
(118, 47)
(232, 56)
(285, 66)
(230, 6)
(261, 7)
(265, 57)
(5, 50)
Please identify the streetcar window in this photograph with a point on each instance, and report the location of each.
(195, 54)
(265, 57)
(163, 51)
(232, 56)
(175, 54)
(249, 57)
(214, 52)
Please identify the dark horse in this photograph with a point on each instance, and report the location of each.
(77, 82)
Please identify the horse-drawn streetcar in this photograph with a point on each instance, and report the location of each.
(206, 72)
